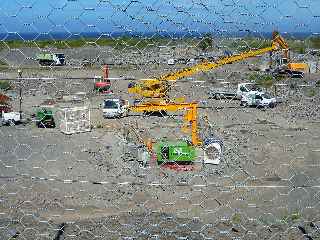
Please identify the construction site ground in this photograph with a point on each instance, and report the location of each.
(94, 185)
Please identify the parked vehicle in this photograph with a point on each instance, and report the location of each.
(102, 84)
(179, 151)
(227, 92)
(288, 73)
(10, 118)
(44, 118)
(295, 74)
(171, 61)
(53, 59)
(258, 99)
(115, 108)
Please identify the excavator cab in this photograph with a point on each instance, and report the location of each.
(149, 88)
(177, 152)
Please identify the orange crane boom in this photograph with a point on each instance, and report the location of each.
(190, 116)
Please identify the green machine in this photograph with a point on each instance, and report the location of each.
(44, 118)
(179, 152)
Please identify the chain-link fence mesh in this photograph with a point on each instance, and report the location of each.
(78, 160)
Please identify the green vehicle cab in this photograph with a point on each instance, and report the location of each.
(178, 152)
(44, 118)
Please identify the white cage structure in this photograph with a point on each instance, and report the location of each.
(75, 120)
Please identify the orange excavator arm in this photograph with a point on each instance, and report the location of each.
(190, 117)
(280, 43)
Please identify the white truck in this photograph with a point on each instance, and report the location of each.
(227, 92)
(51, 59)
(258, 99)
(115, 108)
(171, 61)
(10, 118)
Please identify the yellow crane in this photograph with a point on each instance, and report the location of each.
(190, 116)
(159, 87)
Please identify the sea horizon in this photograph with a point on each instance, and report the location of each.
(34, 36)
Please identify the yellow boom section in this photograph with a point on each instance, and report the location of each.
(279, 41)
(206, 66)
(190, 117)
(159, 87)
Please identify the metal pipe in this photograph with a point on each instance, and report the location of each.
(20, 93)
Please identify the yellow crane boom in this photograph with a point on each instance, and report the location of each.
(278, 42)
(190, 116)
(206, 66)
(158, 88)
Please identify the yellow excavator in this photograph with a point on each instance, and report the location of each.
(158, 88)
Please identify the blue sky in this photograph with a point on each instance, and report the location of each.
(44, 16)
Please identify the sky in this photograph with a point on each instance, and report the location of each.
(189, 16)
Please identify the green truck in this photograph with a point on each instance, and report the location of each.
(44, 118)
(178, 152)
(51, 59)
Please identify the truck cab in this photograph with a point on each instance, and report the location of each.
(180, 151)
(102, 85)
(54, 59)
(244, 88)
(258, 99)
(10, 118)
(44, 118)
(115, 108)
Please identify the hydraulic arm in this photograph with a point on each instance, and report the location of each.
(190, 116)
(159, 87)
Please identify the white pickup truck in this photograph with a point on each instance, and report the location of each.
(258, 99)
(10, 118)
(227, 92)
(115, 108)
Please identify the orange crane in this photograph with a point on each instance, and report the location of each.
(190, 116)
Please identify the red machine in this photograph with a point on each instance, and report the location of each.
(102, 84)
(4, 104)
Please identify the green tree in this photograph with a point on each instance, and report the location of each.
(315, 42)
(206, 42)
(264, 80)
(4, 85)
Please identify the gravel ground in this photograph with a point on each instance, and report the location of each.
(92, 185)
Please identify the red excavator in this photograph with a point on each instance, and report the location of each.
(102, 84)
(5, 103)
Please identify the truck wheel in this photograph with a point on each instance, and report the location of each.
(221, 96)
(12, 122)
(243, 104)
(272, 105)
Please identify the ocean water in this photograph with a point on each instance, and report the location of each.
(66, 35)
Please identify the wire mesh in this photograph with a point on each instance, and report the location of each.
(65, 182)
